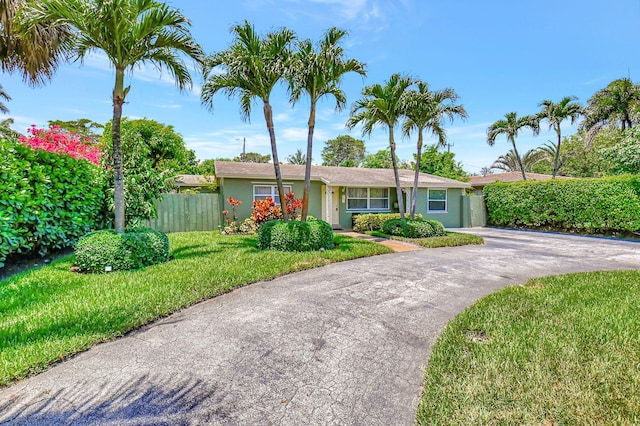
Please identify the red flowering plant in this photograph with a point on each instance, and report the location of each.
(234, 203)
(65, 143)
(265, 210)
(293, 205)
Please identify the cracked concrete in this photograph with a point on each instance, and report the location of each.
(342, 344)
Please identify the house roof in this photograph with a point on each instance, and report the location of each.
(334, 176)
(190, 180)
(480, 181)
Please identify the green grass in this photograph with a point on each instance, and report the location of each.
(48, 314)
(558, 350)
(452, 239)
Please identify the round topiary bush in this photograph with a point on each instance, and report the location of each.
(135, 248)
(416, 228)
(295, 236)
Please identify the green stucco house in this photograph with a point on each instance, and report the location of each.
(339, 193)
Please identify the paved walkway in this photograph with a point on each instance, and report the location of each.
(343, 344)
(395, 245)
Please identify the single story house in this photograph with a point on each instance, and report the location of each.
(478, 182)
(339, 193)
(186, 184)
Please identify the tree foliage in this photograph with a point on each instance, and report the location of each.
(87, 129)
(509, 163)
(297, 158)
(510, 127)
(441, 164)
(555, 113)
(343, 151)
(617, 106)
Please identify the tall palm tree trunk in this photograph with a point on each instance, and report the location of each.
(515, 150)
(392, 145)
(118, 173)
(307, 169)
(414, 194)
(268, 116)
(556, 160)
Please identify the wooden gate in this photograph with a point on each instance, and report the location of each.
(187, 212)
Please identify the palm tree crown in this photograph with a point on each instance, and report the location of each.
(618, 104)
(510, 127)
(509, 162)
(34, 53)
(383, 105)
(555, 114)
(251, 67)
(425, 110)
(129, 33)
(318, 72)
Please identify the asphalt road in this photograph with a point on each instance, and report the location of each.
(342, 344)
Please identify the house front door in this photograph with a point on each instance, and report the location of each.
(335, 207)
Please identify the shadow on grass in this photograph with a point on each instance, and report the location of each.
(146, 400)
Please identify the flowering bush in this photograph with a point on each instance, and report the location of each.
(60, 142)
(265, 210)
(234, 203)
(293, 205)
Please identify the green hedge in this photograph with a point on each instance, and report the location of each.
(136, 248)
(295, 235)
(603, 205)
(374, 221)
(47, 200)
(417, 228)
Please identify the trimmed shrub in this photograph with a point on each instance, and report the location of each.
(48, 200)
(601, 205)
(136, 248)
(374, 221)
(295, 235)
(417, 228)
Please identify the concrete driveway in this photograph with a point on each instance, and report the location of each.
(342, 344)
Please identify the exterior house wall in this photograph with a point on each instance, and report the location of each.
(242, 189)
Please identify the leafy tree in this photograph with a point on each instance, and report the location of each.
(318, 72)
(6, 132)
(425, 110)
(343, 151)
(251, 67)
(297, 158)
(485, 171)
(130, 33)
(83, 126)
(34, 51)
(617, 105)
(555, 114)
(253, 157)
(624, 156)
(206, 167)
(164, 148)
(510, 126)
(510, 163)
(383, 106)
(382, 160)
(441, 164)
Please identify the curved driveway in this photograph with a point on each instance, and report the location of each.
(342, 344)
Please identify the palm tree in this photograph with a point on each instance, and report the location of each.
(318, 73)
(297, 158)
(251, 67)
(618, 104)
(549, 151)
(555, 114)
(35, 53)
(424, 109)
(510, 163)
(4, 95)
(130, 33)
(6, 131)
(383, 106)
(510, 126)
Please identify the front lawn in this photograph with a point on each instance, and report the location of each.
(51, 313)
(452, 239)
(557, 350)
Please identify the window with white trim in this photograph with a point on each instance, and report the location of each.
(261, 192)
(437, 201)
(367, 198)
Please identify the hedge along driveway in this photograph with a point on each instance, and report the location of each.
(603, 205)
(341, 344)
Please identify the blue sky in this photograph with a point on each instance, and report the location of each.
(499, 56)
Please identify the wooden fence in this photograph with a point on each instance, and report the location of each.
(187, 212)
